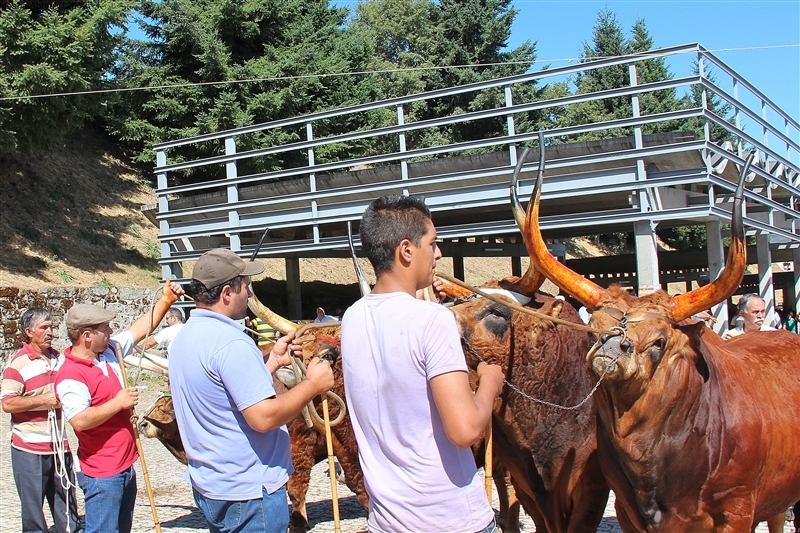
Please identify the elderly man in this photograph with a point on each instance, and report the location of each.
(36, 430)
(98, 406)
(167, 334)
(233, 426)
(752, 311)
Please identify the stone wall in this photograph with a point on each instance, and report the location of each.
(129, 304)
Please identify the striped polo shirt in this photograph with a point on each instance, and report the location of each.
(31, 374)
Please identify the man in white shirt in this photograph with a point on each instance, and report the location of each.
(752, 311)
(167, 334)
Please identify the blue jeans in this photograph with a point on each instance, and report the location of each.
(109, 501)
(491, 528)
(268, 514)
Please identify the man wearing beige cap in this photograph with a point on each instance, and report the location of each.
(97, 405)
(233, 426)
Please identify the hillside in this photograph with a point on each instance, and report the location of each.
(71, 217)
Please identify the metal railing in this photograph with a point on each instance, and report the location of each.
(324, 195)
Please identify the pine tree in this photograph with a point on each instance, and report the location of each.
(47, 49)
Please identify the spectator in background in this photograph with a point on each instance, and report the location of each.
(27, 393)
(791, 322)
(167, 334)
(752, 312)
(322, 317)
(266, 333)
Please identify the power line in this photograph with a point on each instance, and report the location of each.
(359, 73)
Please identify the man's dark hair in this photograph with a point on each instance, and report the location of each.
(386, 222)
(31, 317)
(206, 296)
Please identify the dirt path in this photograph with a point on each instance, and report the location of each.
(173, 495)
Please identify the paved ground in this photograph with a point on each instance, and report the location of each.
(175, 507)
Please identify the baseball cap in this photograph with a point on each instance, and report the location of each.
(85, 315)
(219, 265)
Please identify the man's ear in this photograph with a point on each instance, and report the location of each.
(404, 251)
(225, 294)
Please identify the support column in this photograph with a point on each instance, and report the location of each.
(793, 291)
(458, 267)
(716, 262)
(646, 256)
(765, 286)
(516, 265)
(293, 297)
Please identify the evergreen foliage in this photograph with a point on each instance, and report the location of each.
(50, 49)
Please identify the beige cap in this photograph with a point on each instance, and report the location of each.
(85, 315)
(219, 265)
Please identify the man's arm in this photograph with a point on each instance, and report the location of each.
(272, 413)
(20, 404)
(464, 414)
(92, 417)
(146, 323)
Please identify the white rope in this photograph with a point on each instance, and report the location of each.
(58, 435)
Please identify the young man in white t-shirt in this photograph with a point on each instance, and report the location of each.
(412, 408)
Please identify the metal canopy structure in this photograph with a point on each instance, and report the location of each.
(618, 184)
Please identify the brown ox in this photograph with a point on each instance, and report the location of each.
(308, 446)
(696, 433)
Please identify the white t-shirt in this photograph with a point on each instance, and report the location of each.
(735, 332)
(416, 478)
(167, 335)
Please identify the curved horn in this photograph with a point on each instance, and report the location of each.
(273, 319)
(685, 305)
(363, 285)
(530, 282)
(585, 291)
(452, 290)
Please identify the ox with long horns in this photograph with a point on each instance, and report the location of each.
(695, 433)
(550, 452)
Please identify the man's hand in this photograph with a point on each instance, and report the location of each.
(279, 355)
(491, 376)
(172, 292)
(49, 399)
(319, 372)
(127, 398)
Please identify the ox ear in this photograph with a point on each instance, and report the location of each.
(558, 305)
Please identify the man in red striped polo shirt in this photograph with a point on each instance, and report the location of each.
(27, 393)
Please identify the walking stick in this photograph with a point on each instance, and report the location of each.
(487, 461)
(141, 454)
(331, 465)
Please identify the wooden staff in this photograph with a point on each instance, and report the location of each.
(487, 461)
(141, 452)
(331, 465)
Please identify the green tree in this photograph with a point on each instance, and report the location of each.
(295, 47)
(50, 49)
(449, 43)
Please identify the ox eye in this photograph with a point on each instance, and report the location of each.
(659, 344)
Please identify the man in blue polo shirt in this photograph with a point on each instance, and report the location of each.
(232, 423)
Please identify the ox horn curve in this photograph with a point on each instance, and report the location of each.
(686, 305)
(583, 290)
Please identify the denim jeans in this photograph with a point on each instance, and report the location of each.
(109, 502)
(491, 528)
(268, 514)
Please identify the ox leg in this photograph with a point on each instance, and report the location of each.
(508, 520)
(776, 523)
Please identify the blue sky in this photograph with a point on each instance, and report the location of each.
(559, 28)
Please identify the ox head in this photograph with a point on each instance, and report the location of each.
(650, 323)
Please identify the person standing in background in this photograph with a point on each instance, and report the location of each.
(37, 434)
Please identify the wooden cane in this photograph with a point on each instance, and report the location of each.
(487, 461)
(331, 465)
(141, 455)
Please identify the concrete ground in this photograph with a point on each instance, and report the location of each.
(175, 506)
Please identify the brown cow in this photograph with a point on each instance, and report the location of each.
(550, 453)
(695, 433)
